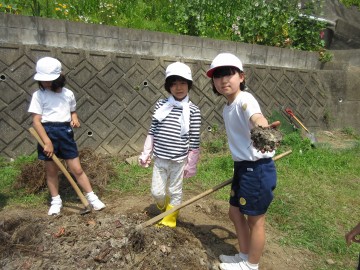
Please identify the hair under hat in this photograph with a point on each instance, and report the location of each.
(178, 69)
(224, 60)
(47, 69)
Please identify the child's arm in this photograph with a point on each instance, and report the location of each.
(74, 120)
(259, 120)
(194, 150)
(192, 160)
(48, 146)
(145, 157)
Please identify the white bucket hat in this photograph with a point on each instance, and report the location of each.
(179, 69)
(47, 69)
(224, 60)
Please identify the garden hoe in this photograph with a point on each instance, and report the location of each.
(84, 201)
(310, 135)
(194, 199)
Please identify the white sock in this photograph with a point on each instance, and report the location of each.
(252, 266)
(243, 256)
(56, 198)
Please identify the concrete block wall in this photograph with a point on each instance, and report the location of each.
(117, 75)
(17, 29)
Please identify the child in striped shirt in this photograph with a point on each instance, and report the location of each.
(173, 140)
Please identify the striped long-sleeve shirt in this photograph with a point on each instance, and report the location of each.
(168, 143)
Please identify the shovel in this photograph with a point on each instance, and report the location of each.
(194, 199)
(310, 135)
(84, 201)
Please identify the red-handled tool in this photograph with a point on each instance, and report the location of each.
(310, 135)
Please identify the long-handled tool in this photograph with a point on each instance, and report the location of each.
(194, 199)
(84, 201)
(310, 135)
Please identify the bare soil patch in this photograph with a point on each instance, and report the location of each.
(108, 240)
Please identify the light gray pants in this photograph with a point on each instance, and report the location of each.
(167, 179)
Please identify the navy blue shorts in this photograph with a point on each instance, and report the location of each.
(62, 138)
(253, 185)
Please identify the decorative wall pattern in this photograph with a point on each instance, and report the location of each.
(116, 93)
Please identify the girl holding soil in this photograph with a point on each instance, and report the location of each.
(254, 170)
(54, 116)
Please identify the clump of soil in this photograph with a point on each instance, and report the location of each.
(266, 139)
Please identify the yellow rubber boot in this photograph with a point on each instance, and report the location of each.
(169, 220)
(163, 208)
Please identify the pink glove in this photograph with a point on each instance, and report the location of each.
(145, 158)
(192, 160)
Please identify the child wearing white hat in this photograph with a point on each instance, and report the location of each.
(173, 140)
(54, 116)
(254, 171)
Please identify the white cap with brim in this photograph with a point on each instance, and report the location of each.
(47, 69)
(224, 60)
(179, 69)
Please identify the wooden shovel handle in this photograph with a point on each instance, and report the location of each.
(201, 195)
(290, 112)
(62, 168)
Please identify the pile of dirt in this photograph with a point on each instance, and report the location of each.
(108, 239)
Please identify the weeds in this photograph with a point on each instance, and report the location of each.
(272, 23)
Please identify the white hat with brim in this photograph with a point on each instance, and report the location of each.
(179, 69)
(224, 60)
(47, 69)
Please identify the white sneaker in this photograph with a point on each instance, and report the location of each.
(56, 205)
(231, 259)
(95, 201)
(234, 266)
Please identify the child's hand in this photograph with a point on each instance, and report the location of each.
(75, 123)
(353, 235)
(144, 162)
(48, 149)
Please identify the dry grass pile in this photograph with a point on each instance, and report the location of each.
(98, 168)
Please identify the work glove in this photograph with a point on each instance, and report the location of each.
(145, 157)
(192, 160)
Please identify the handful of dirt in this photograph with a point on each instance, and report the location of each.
(266, 139)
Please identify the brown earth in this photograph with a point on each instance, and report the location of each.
(108, 240)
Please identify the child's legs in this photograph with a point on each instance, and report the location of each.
(257, 237)
(241, 228)
(77, 171)
(52, 177)
(159, 179)
(176, 173)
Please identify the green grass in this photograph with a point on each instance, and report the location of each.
(316, 200)
(9, 172)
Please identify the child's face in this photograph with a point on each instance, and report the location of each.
(46, 85)
(179, 89)
(229, 84)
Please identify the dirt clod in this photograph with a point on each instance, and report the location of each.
(266, 139)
